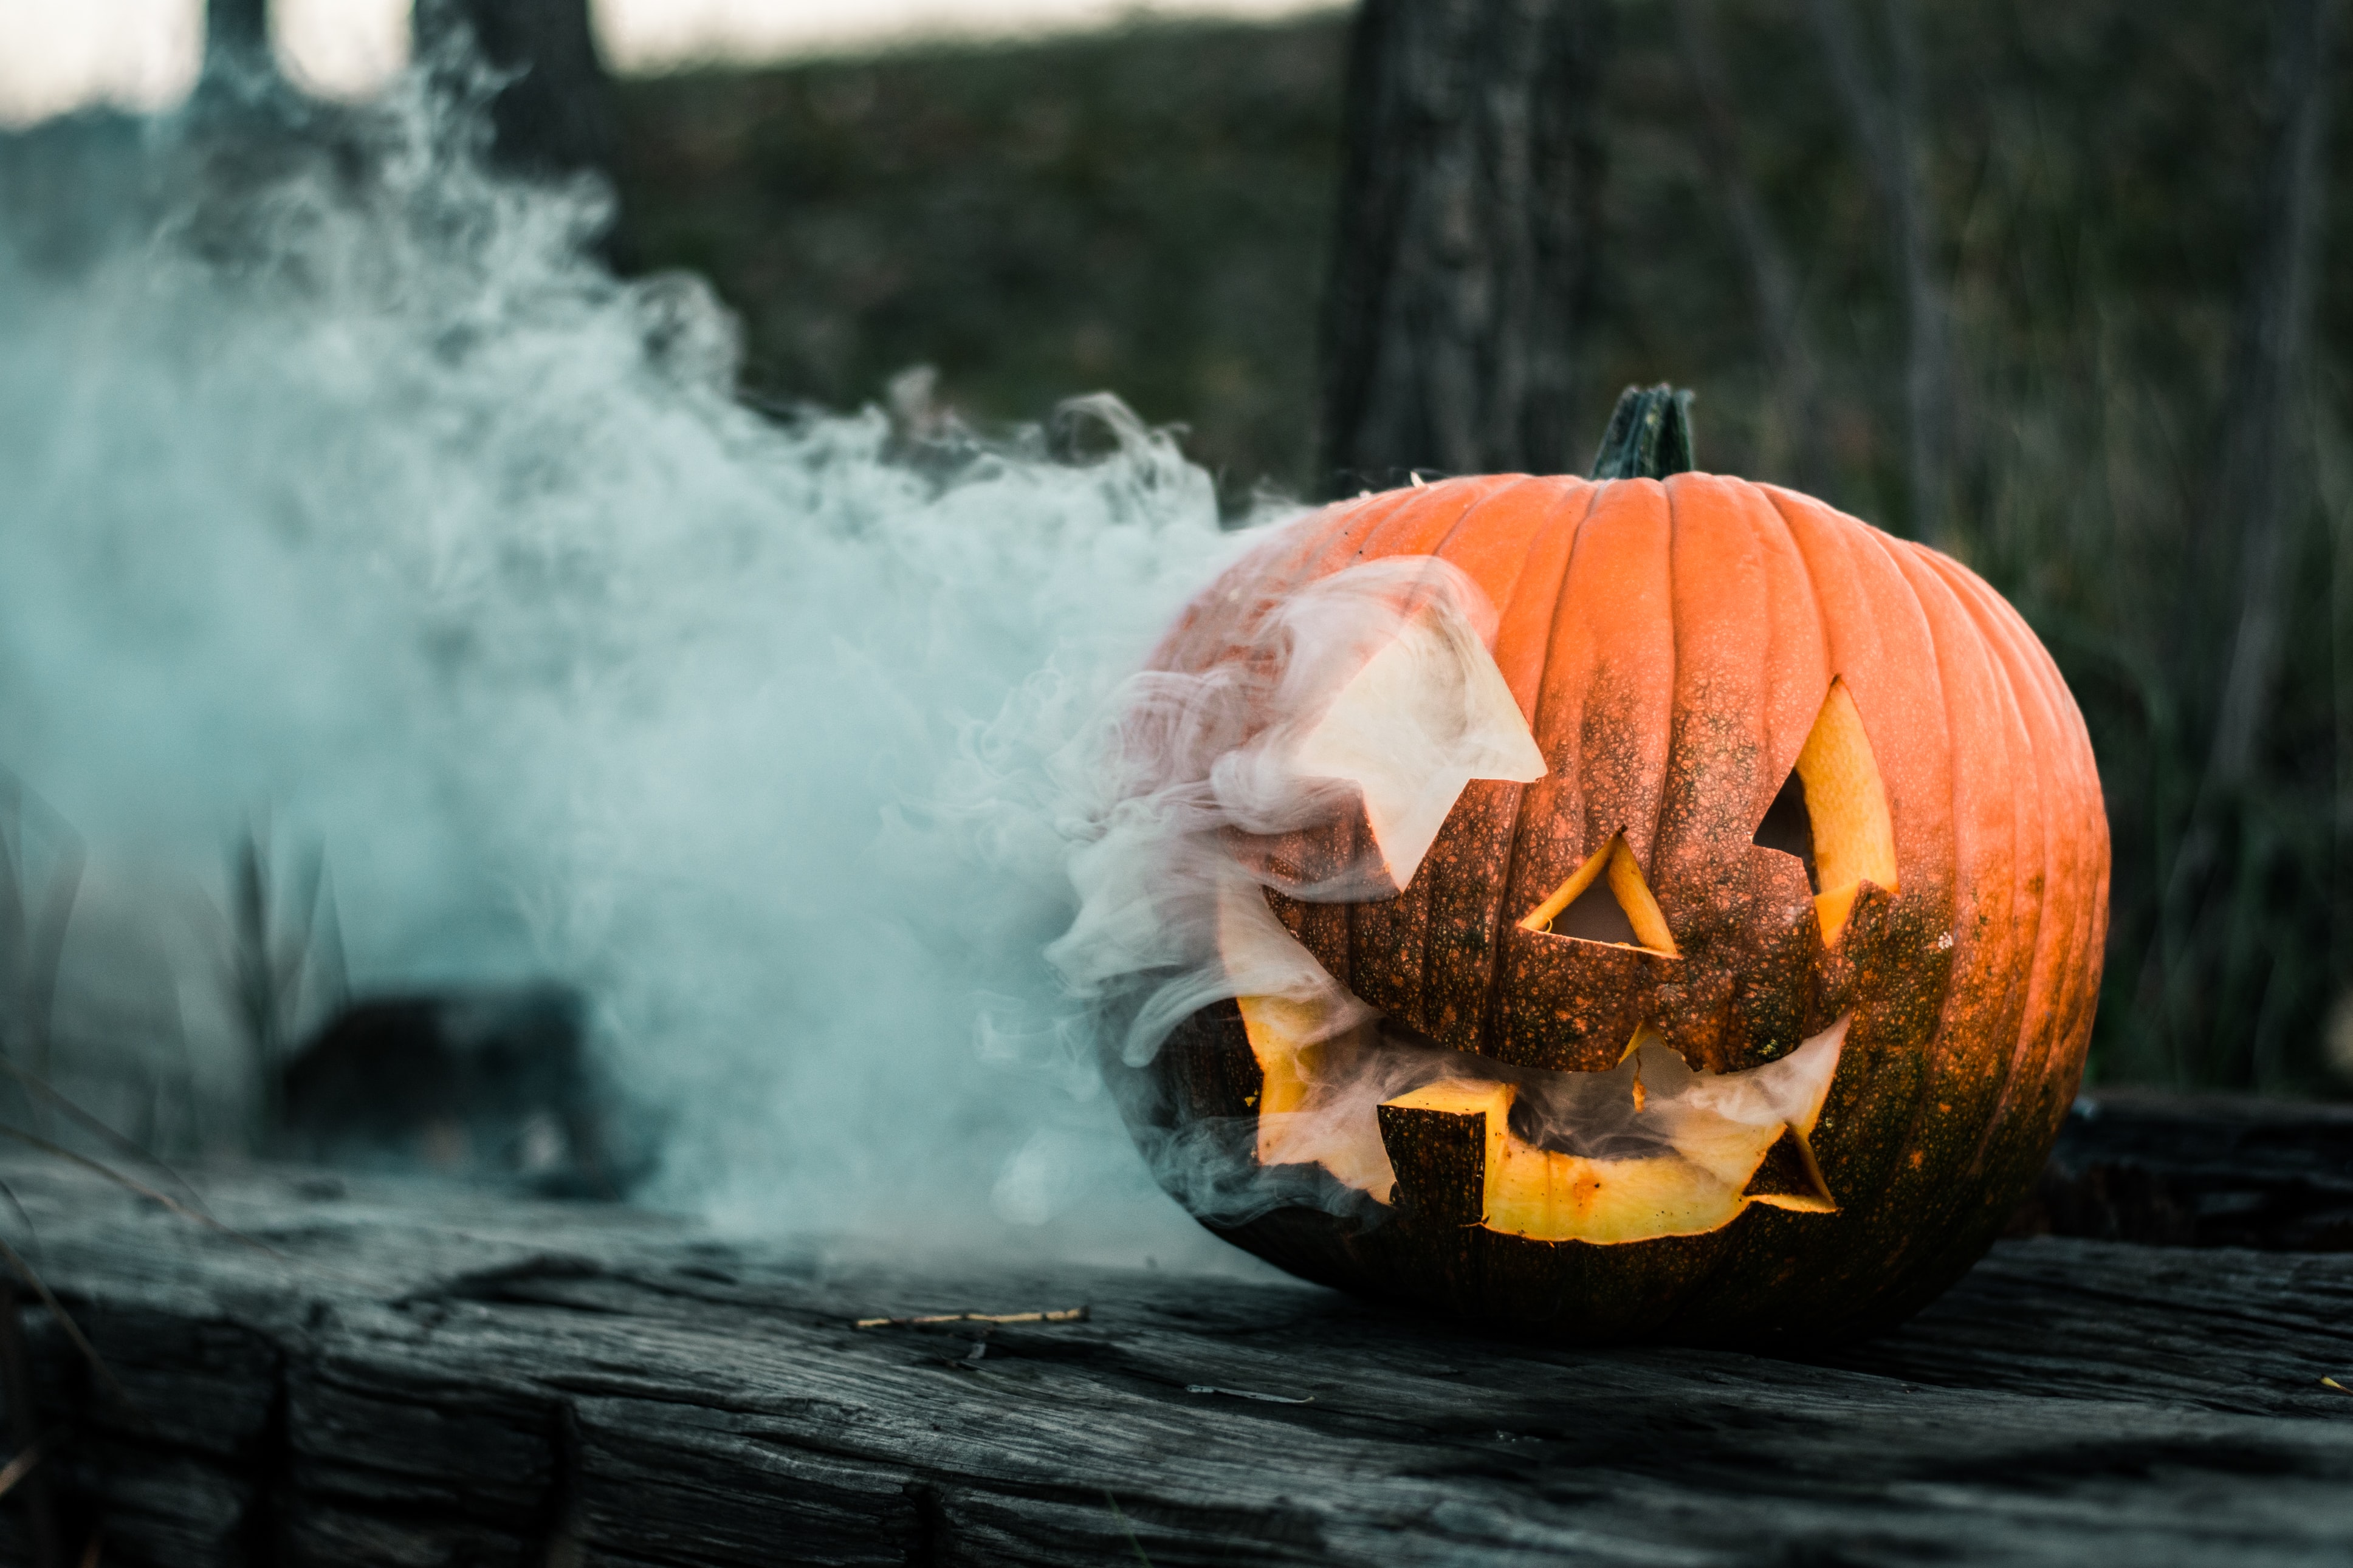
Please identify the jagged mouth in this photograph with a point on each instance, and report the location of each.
(1649, 1148)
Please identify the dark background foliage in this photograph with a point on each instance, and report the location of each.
(1153, 210)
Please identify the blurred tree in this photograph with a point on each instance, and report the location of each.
(2199, 982)
(1887, 122)
(237, 35)
(1795, 368)
(1464, 262)
(2258, 478)
(555, 116)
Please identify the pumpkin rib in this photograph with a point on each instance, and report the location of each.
(2030, 1041)
(1509, 883)
(1575, 491)
(1796, 686)
(1781, 736)
(1416, 518)
(1439, 871)
(2090, 815)
(2014, 1145)
(2053, 987)
(1560, 757)
(1991, 984)
(1889, 1201)
(1791, 730)
(1460, 1015)
(1483, 560)
(2065, 747)
(1551, 827)
(1629, 667)
(1649, 862)
(1887, 1117)
(2033, 1042)
(1382, 931)
(1713, 790)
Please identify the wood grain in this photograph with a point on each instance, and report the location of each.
(432, 1377)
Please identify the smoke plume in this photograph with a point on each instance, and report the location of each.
(348, 494)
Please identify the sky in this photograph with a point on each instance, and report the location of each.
(142, 54)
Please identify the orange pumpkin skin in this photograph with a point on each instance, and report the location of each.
(1670, 644)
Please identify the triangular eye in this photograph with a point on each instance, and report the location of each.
(1831, 813)
(1594, 915)
(1788, 829)
(1606, 900)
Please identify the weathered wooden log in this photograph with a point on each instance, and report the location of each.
(419, 1375)
(2199, 1171)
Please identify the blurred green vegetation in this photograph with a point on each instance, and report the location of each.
(1144, 211)
(1149, 211)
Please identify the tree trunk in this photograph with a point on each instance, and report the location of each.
(2254, 483)
(1887, 125)
(237, 32)
(556, 116)
(1796, 417)
(2258, 485)
(1466, 239)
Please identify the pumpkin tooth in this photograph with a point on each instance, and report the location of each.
(1446, 1142)
(1790, 1177)
(1643, 1036)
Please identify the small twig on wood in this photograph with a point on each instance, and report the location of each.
(1247, 1393)
(970, 1361)
(1126, 1529)
(1066, 1315)
(21, 1466)
(2332, 1382)
(59, 1151)
(89, 1123)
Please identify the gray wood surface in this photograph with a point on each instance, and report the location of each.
(2199, 1171)
(437, 1377)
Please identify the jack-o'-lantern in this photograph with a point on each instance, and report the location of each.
(1677, 915)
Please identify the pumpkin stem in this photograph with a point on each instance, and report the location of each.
(1649, 434)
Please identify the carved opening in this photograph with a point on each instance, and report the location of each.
(1831, 814)
(1790, 1177)
(1606, 900)
(1595, 1158)
(1788, 827)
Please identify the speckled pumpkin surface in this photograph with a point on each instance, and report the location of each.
(1696, 659)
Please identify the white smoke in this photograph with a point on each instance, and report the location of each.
(366, 500)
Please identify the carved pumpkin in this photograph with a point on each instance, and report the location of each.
(1734, 988)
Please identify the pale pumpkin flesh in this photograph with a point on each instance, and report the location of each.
(1853, 836)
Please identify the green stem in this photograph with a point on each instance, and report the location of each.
(1649, 434)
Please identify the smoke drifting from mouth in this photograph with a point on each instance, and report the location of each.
(1366, 697)
(361, 498)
